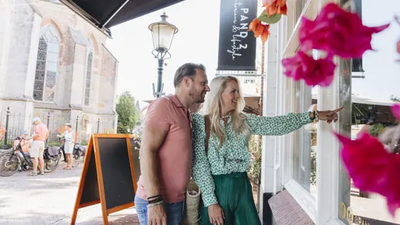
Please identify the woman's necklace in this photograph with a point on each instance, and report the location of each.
(225, 117)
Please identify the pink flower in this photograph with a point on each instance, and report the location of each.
(372, 168)
(398, 42)
(338, 32)
(396, 110)
(314, 72)
(398, 46)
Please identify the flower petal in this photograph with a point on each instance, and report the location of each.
(313, 72)
(372, 168)
(398, 47)
(338, 32)
(253, 24)
(396, 110)
(265, 33)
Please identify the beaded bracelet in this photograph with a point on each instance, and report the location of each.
(154, 204)
(155, 200)
(315, 116)
(155, 196)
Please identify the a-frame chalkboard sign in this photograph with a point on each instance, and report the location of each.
(108, 175)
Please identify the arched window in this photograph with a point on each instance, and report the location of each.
(88, 77)
(47, 65)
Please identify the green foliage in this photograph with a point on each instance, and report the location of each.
(111, 131)
(54, 143)
(9, 145)
(313, 177)
(84, 142)
(394, 98)
(269, 19)
(254, 172)
(137, 137)
(376, 129)
(128, 115)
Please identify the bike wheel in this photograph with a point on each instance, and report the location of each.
(9, 164)
(76, 156)
(52, 163)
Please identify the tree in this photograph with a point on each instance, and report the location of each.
(128, 115)
(394, 98)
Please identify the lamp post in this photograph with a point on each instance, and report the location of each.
(163, 34)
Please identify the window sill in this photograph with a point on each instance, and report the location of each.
(334, 222)
(88, 109)
(304, 198)
(48, 105)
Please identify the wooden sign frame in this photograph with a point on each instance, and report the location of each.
(94, 145)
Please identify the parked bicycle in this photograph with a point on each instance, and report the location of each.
(16, 159)
(79, 151)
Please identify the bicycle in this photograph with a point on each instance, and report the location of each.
(16, 159)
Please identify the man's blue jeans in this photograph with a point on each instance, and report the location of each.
(174, 211)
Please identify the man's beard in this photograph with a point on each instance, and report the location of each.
(197, 98)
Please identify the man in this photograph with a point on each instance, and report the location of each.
(166, 149)
(39, 137)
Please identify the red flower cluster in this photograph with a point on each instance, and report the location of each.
(275, 7)
(272, 14)
(372, 168)
(259, 29)
(336, 32)
(314, 72)
(396, 110)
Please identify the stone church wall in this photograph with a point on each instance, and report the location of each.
(21, 24)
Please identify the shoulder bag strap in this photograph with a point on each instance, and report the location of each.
(207, 122)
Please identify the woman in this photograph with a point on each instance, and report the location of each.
(69, 143)
(220, 165)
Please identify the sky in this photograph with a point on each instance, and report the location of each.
(197, 41)
(382, 72)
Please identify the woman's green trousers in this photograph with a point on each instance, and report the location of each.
(235, 196)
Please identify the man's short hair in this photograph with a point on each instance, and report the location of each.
(186, 70)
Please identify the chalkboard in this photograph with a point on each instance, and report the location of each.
(117, 175)
(90, 192)
(108, 175)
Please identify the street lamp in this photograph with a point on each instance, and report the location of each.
(163, 34)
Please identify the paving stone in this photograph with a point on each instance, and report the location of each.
(50, 199)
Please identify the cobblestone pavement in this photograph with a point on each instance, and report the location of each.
(50, 199)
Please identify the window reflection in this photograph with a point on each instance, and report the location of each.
(47, 65)
(305, 146)
(299, 7)
(88, 78)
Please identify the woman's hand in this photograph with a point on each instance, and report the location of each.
(216, 214)
(329, 115)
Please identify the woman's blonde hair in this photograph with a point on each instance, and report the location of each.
(213, 105)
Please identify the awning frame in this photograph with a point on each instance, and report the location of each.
(86, 16)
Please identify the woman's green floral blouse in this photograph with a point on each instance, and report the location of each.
(234, 155)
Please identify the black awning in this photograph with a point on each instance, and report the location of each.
(107, 13)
